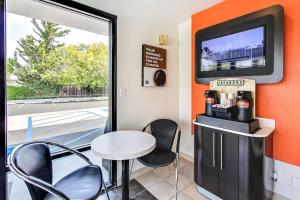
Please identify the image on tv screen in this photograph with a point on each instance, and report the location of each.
(236, 51)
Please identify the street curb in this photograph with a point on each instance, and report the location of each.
(58, 100)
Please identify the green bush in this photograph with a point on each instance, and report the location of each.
(19, 92)
(30, 92)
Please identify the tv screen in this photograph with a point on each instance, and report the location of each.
(245, 49)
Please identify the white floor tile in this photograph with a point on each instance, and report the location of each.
(188, 171)
(162, 190)
(183, 181)
(192, 192)
(165, 172)
(149, 179)
(184, 163)
(182, 196)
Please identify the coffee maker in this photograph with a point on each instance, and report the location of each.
(211, 98)
(244, 106)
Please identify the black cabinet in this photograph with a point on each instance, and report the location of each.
(210, 167)
(220, 163)
(229, 165)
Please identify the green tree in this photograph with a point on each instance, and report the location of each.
(31, 59)
(81, 66)
(43, 63)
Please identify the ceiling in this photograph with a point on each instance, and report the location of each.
(177, 10)
(37, 10)
(170, 11)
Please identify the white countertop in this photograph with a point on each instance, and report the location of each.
(267, 127)
(123, 145)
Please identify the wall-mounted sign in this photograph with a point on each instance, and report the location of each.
(154, 63)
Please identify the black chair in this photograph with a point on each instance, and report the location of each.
(33, 164)
(164, 131)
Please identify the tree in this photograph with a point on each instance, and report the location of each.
(42, 62)
(81, 66)
(31, 58)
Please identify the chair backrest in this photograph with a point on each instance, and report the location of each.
(164, 131)
(34, 159)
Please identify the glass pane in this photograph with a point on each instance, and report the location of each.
(57, 83)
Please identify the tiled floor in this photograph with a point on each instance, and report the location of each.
(137, 191)
(161, 182)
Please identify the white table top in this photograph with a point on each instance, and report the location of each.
(123, 145)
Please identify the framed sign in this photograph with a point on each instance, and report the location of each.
(154, 63)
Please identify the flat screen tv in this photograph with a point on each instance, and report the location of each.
(250, 46)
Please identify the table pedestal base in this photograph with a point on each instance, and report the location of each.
(125, 180)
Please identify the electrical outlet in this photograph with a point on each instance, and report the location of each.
(275, 176)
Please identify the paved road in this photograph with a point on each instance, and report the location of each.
(63, 122)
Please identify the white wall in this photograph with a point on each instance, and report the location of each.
(136, 27)
(185, 89)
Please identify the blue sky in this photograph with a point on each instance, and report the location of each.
(19, 26)
(252, 38)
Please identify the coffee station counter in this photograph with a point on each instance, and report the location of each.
(267, 127)
(233, 149)
(230, 164)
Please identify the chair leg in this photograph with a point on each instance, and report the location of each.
(174, 163)
(105, 188)
(177, 173)
(131, 168)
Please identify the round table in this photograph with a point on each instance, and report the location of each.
(123, 145)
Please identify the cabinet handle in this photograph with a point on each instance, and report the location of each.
(214, 149)
(221, 165)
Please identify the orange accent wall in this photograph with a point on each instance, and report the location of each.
(280, 101)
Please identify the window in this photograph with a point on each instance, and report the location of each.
(60, 76)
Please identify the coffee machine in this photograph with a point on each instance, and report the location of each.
(211, 98)
(231, 98)
(244, 106)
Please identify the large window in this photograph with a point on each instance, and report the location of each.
(57, 82)
(60, 77)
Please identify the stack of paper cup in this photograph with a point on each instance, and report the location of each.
(231, 99)
(223, 99)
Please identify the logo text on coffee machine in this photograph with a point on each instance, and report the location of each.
(230, 82)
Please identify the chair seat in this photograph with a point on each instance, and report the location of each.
(158, 158)
(82, 184)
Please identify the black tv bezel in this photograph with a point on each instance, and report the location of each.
(268, 18)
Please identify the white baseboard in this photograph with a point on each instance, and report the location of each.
(187, 156)
(207, 194)
(279, 197)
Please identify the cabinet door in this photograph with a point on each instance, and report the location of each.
(228, 158)
(209, 160)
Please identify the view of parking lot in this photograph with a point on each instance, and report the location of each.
(66, 121)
